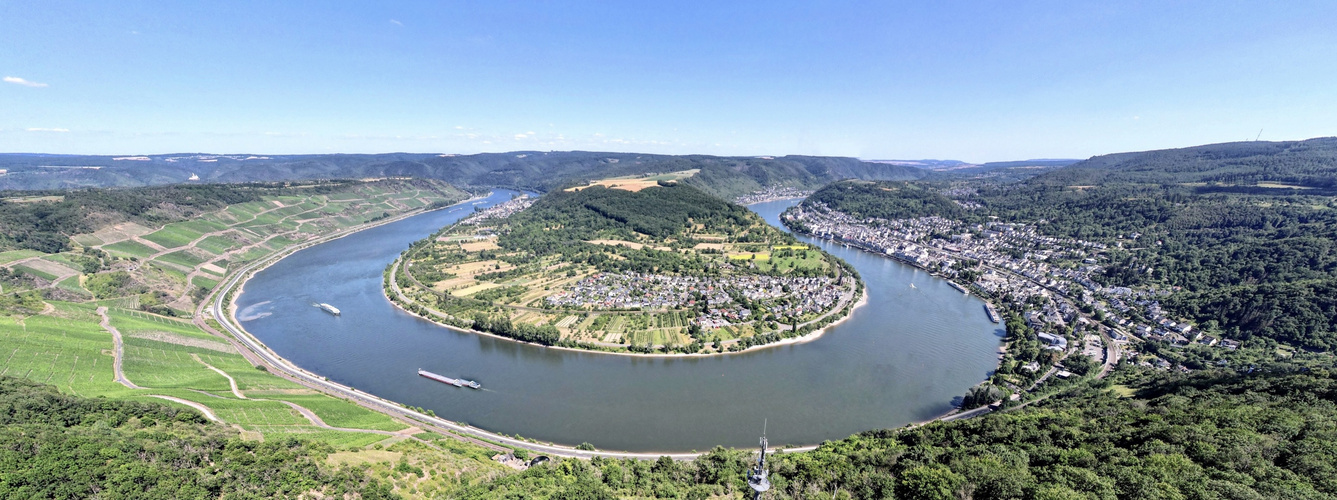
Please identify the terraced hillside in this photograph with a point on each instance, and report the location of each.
(168, 268)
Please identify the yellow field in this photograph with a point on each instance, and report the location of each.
(481, 266)
(478, 246)
(447, 285)
(634, 184)
(628, 244)
(750, 256)
(465, 292)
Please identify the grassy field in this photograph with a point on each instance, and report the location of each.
(216, 245)
(66, 349)
(15, 255)
(182, 258)
(130, 248)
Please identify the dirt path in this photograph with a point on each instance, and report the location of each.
(209, 414)
(235, 391)
(118, 349)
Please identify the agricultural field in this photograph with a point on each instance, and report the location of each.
(129, 248)
(15, 255)
(66, 347)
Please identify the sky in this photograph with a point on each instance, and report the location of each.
(974, 81)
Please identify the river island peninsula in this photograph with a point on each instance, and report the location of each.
(641, 265)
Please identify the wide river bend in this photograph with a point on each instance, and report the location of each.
(901, 358)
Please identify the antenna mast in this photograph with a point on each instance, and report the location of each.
(1260, 134)
(756, 478)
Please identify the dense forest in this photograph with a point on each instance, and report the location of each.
(1245, 230)
(886, 200)
(726, 177)
(59, 446)
(1269, 434)
(46, 225)
(561, 223)
(1304, 164)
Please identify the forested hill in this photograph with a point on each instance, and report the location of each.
(1238, 165)
(669, 216)
(660, 212)
(726, 177)
(886, 200)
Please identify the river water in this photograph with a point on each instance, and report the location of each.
(901, 358)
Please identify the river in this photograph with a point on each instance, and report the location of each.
(901, 358)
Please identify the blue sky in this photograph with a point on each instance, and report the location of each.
(976, 81)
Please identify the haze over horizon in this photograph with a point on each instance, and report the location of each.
(972, 81)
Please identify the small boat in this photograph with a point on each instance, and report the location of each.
(330, 309)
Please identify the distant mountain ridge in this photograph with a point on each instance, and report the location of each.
(1304, 164)
(726, 177)
(957, 165)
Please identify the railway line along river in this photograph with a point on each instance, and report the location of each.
(902, 358)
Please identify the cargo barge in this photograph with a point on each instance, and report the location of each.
(457, 382)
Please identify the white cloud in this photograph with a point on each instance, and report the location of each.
(39, 129)
(19, 81)
(396, 23)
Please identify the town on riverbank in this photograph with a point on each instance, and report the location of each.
(1061, 321)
